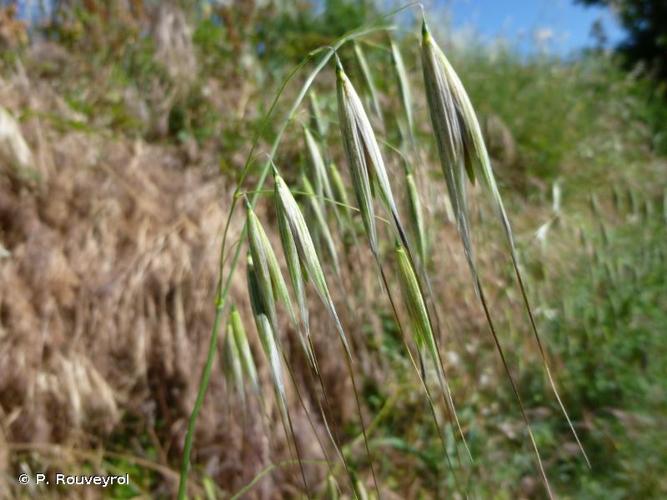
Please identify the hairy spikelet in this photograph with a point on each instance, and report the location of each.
(241, 338)
(279, 289)
(414, 302)
(443, 117)
(294, 269)
(257, 301)
(422, 330)
(262, 290)
(364, 158)
(355, 156)
(288, 211)
(462, 149)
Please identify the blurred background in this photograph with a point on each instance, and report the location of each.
(124, 125)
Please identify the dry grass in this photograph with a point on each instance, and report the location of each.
(109, 264)
(106, 307)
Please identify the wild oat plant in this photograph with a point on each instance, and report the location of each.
(330, 222)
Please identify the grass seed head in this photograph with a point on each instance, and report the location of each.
(257, 242)
(294, 268)
(414, 302)
(354, 151)
(363, 155)
(279, 290)
(257, 301)
(288, 211)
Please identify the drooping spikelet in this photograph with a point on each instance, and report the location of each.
(270, 347)
(288, 210)
(364, 158)
(261, 291)
(462, 149)
(291, 218)
(261, 248)
(446, 124)
(416, 307)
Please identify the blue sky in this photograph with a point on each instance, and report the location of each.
(561, 25)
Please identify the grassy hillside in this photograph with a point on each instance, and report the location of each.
(121, 146)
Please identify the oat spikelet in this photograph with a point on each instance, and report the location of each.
(319, 171)
(364, 158)
(290, 216)
(421, 328)
(461, 148)
(262, 250)
(288, 210)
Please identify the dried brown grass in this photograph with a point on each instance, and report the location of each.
(105, 308)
